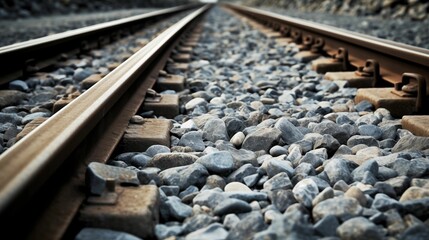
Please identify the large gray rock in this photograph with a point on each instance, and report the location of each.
(218, 162)
(262, 139)
(185, 176)
(289, 133)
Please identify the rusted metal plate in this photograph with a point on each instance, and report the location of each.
(284, 41)
(136, 212)
(139, 137)
(190, 43)
(167, 106)
(418, 125)
(173, 82)
(182, 57)
(272, 34)
(180, 66)
(323, 65)
(183, 49)
(352, 79)
(384, 98)
(306, 56)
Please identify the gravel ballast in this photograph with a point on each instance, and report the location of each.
(280, 153)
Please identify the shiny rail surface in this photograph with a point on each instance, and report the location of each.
(94, 120)
(17, 59)
(394, 58)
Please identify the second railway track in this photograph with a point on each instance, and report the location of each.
(263, 127)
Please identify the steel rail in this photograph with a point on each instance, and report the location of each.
(27, 165)
(394, 58)
(16, 58)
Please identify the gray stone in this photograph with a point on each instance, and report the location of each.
(305, 191)
(289, 133)
(277, 151)
(327, 226)
(370, 166)
(232, 205)
(292, 225)
(247, 227)
(282, 199)
(177, 209)
(170, 190)
(194, 140)
(327, 141)
(80, 74)
(32, 116)
(312, 159)
(327, 193)
(163, 231)
(367, 140)
(100, 233)
(214, 130)
(417, 232)
(218, 162)
(399, 184)
(261, 139)
(279, 181)
(419, 167)
(209, 198)
(359, 228)
(411, 142)
(332, 129)
(19, 85)
(242, 172)
(191, 105)
(185, 176)
(417, 207)
(337, 169)
(237, 139)
(248, 196)
(342, 208)
(214, 181)
(370, 130)
(274, 166)
(170, 160)
(240, 156)
(214, 231)
(382, 202)
(230, 220)
(11, 98)
(140, 160)
(155, 149)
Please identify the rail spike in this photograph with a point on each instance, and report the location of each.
(371, 69)
(415, 85)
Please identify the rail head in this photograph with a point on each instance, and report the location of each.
(394, 58)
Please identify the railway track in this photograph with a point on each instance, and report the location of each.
(246, 145)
